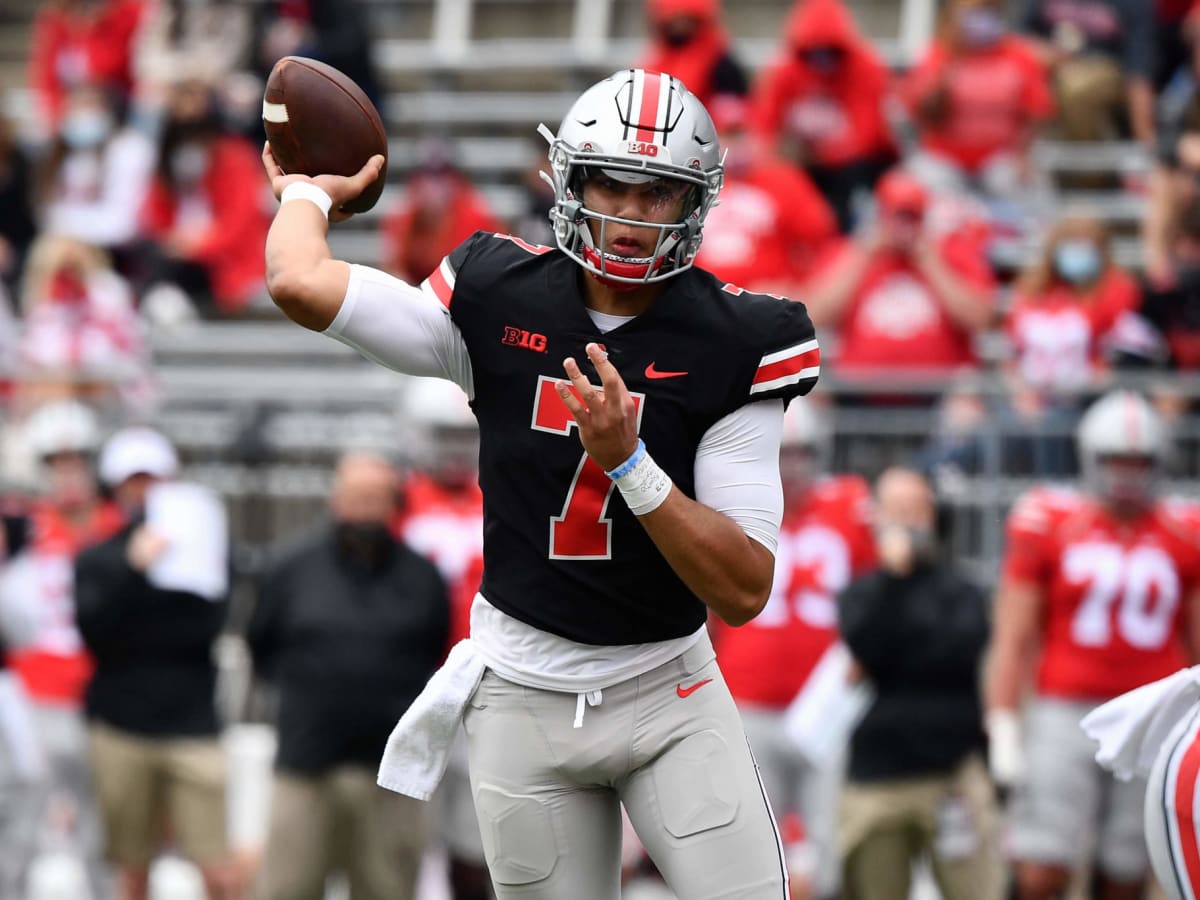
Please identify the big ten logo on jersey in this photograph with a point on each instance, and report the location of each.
(811, 565)
(583, 530)
(1132, 592)
(528, 340)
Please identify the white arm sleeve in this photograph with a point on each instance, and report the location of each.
(737, 470)
(402, 327)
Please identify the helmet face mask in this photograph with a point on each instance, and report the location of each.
(1123, 451)
(1126, 482)
(634, 127)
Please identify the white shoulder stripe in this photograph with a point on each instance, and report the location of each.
(788, 352)
(785, 380)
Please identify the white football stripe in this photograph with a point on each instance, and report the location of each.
(276, 113)
(447, 272)
(785, 380)
(664, 92)
(788, 352)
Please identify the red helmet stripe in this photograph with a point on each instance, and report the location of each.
(647, 120)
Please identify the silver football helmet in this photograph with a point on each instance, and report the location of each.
(635, 126)
(1123, 447)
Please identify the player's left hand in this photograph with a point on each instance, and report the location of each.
(607, 418)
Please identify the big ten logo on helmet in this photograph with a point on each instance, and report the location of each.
(641, 148)
(529, 340)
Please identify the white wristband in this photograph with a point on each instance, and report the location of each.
(643, 484)
(306, 190)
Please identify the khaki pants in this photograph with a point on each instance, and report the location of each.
(668, 744)
(153, 789)
(888, 825)
(1091, 92)
(341, 821)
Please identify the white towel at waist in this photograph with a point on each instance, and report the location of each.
(419, 747)
(1131, 728)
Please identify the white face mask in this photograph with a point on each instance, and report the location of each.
(86, 128)
(189, 162)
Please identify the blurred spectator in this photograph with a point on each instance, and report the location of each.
(78, 42)
(977, 96)
(688, 41)
(205, 211)
(821, 103)
(441, 517)
(334, 31)
(439, 211)
(772, 222)
(1173, 307)
(955, 449)
(1064, 305)
(1172, 39)
(917, 781)
(52, 662)
(898, 299)
(94, 179)
(17, 226)
(183, 41)
(1102, 55)
(82, 336)
(1175, 179)
(826, 539)
(158, 766)
(533, 225)
(350, 624)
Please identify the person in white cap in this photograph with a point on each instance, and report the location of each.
(150, 703)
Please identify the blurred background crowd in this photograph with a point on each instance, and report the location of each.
(991, 209)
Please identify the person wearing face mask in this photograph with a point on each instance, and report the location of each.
(350, 624)
(977, 97)
(917, 782)
(820, 104)
(772, 221)
(94, 178)
(158, 767)
(901, 299)
(1103, 56)
(203, 213)
(440, 210)
(1063, 307)
(689, 42)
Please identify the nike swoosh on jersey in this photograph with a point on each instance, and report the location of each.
(688, 691)
(652, 372)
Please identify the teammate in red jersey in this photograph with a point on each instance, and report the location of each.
(825, 540)
(630, 407)
(1100, 594)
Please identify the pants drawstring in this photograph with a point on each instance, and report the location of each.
(584, 700)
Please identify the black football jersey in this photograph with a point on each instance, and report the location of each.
(562, 551)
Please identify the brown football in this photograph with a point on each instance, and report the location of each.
(319, 122)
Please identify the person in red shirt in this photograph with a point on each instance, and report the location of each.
(899, 299)
(977, 97)
(825, 541)
(1100, 593)
(772, 222)
(79, 42)
(821, 103)
(441, 517)
(440, 210)
(54, 666)
(688, 41)
(204, 210)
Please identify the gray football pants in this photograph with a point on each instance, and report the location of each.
(668, 745)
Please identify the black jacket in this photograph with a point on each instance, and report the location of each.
(348, 646)
(920, 640)
(155, 674)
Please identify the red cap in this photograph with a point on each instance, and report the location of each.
(899, 191)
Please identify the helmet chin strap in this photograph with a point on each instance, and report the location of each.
(641, 268)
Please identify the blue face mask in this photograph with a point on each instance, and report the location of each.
(1077, 261)
(84, 129)
(981, 27)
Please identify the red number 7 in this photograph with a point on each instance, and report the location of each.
(582, 531)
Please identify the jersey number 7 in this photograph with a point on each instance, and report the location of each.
(583, 529)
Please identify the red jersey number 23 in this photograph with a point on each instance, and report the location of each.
(583, 529)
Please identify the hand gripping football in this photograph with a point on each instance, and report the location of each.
(319, 122)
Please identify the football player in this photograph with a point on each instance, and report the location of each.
(1098, 595)
(630, 408)
(826, 539)
(441, 517)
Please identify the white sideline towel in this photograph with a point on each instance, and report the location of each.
(1131, 728)
(820, 720)
(418, 750)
